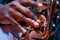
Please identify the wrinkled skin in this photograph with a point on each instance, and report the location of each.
(14, 12)
(9, 15)
(9, 9)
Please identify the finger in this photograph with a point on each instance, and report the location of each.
(29, 21)
(23, 10)
(29, 3)
(15, 23)
(43, 22)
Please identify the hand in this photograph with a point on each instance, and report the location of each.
(13, 13)
(8, 17)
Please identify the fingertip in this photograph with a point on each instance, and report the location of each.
(36, 24)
